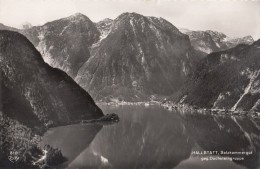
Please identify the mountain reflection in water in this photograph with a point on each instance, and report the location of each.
(154, 138)
(72, 139)
(229, 133)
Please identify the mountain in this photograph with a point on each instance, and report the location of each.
(4, 27)
(224, 42)
(209, 41)
(228, 79)
(26, 25)
(138, 56)
(63, 43)
(104, 27)
(154, 57)
(31, 89)
(184, 30)
(202, 42)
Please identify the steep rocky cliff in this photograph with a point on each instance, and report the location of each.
(139, 54)
(64, 43)
(228, 79)
(104, 27)
(129, 58)
(36, 94)
(224, 42)
(206, 42)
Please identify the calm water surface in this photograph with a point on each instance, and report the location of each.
(152, 137)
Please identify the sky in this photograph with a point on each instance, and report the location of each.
(235, 18)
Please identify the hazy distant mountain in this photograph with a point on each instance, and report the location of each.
(212, 41)
(31, 89)
(137, 55)
(4, 27)
(227, 79)
(224, 42)
(184, 30)
(26, 25)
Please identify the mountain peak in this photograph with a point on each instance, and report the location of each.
(130, 15)
(75, 18)
(249, 38)
(212, 41)
(138, 54)
(67, 39)
(216, 33)
(26, 25)
(107, 20)
(257, 42)
(184, 30)
(78, 14)
(141, 19)
(78, 17)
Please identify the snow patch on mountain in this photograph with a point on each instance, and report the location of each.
(104, 27)
(212, 41)
(132, 24)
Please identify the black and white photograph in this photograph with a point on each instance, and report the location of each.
(129, 84)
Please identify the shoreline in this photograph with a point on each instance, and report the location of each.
(184, 108)
(122, 103)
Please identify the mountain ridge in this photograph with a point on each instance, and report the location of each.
(127, 55)
(225, 80)
(75, 45)
(64, 42)
(35, 89)
(210, 41)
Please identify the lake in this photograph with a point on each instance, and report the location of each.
(151, 137)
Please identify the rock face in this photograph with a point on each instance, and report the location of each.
(138, 54)
(209, 41)
(104, 27)
(224, 42)
(133, 55)
(63, 43)
(36, 94)
(228, 79)
(130, 58)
